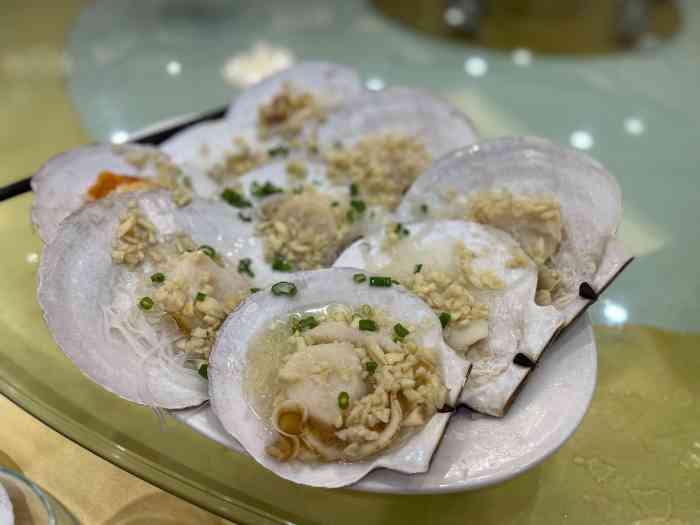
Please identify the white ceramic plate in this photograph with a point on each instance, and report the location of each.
(479, 450)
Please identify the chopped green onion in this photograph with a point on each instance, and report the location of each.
(335, 204)
(445, 318)
(187, 181)
(284, 288)
(371, 367)
(424, 208)
(278, 151)
(280, 264)
(146, 303)
(244, 217)
(401, 231)
(313, 149)
(235, 199)
(354, 190)
(158, 277)
(343, 400)
(359, 278)
(417, 268)
(368, 325)
(203, 371)
(264, 190)
(394, 281)
(358, 205)
(200, 297)
(380, 281)
(306, 323)
(211, 252)
(350, 216)
(244, 267)
(400, 330)
(255, 290)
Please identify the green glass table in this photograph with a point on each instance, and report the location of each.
(78, 72)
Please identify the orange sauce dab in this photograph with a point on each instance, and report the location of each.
(107, 182)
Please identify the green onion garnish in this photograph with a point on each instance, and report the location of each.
(306, 323)
(280, 264)
(284, 288)
(158, 277)
(424, 208)
(235, 199)
(350, 216)
(146, 303)
(343, 400)
(358, 205)
(368, 325)
(200, 297)
(354, 191)
(187, 181)
(203, 370)
(264, 190)
(445, 318)
(371, 367)
(400, 330)
(401, 231)
(278, 151)
(211, 252)
(335, 204)
(244, 267)
(417, 268)
(255, 290)
(359, 278)
(380, 281)
(244, 217)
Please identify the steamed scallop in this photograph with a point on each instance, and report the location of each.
(382, 141)
(559, 204)
(134, 290)
(325, 377)
(481, 284)
(86, 174)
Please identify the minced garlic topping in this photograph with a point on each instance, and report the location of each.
(535, 222)
(288, 112)
(238, 162)
(307, 229)
(346, 393)
(134, 236)
(382, 166)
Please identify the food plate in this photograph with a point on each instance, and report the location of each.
(477, 450)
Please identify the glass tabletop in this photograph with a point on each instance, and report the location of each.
(98, 70)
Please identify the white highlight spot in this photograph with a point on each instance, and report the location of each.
(454, 16)
(375, 84)
(476, 66)
(615, 313)
(581, 139)
(249, 67)
(522, 57)
(32, 258)
(119, 137)
(173, 68)
(635, 126)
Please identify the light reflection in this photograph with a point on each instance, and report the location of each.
(454, 16)
(522, 57)
(615, 313)
(476, 66)
(634, 126)
(32, 258)
(581, 139)
(375, 84)
(119, 137)
(252, 66)
(173, 68)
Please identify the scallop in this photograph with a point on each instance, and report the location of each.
(322, 352)
(481, 284)
(68, 181)
(133, 289)
(561, 206)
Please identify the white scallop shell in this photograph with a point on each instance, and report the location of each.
(332, 84)
(590, 198)
(516, 323)
(319, 288)
(76, 278)
(439, 125)
(60, 185)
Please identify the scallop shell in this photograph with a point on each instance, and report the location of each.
(76, 279)
(332, 83)
(516, 324)
(590, 198)
(318, 288)
(60, 185)
(439, 125)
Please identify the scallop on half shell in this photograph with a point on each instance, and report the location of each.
(133, 288)
(563, 208)
(481, 284)
(325, 374)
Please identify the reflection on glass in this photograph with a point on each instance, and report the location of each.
(119, 137)
(634, 126)
(476, 66)
(375, 84)
(173, 68)
(614, 313)
(522, 57)
(581, 139)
